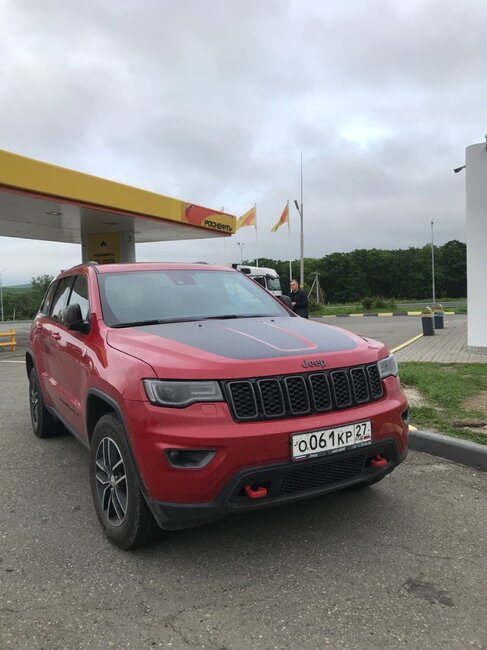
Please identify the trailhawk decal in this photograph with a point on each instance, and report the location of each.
(256, 338)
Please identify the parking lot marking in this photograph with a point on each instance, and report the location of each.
(12, 361)
(403, 345)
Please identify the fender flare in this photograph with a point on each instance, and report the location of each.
(118, 412)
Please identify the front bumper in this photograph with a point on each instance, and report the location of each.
(284, 483)
(239, 446)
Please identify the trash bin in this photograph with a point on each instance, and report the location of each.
(427, 321)
(439, 317)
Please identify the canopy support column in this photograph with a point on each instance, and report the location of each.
(476, 182)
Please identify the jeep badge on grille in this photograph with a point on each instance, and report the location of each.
(314, 363)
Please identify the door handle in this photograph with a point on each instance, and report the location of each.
(56, 336)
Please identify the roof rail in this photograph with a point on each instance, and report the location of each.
(90, 263)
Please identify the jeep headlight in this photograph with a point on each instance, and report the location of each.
(388, 367)
(181, 393)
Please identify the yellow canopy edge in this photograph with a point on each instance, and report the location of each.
(40, 178)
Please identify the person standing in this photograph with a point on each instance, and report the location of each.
(299, 300)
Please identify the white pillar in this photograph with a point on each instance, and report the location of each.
(476, 191)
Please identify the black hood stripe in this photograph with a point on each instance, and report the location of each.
(256, 338)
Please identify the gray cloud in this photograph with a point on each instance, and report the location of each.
(214, 101)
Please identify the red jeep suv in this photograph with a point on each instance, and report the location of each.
(198, 393)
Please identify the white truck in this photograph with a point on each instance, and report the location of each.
(268, 278)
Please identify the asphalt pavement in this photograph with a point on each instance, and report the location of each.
(402, 564)
(391, 330)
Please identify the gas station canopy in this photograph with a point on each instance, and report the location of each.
(43, 201)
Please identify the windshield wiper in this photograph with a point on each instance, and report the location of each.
(188, 319)
(160, 321)
(227, 316)
(222, 317)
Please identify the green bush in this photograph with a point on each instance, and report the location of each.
(378, 302)
(381, 303)
(313, 306)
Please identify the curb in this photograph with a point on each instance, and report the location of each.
(459, 451)
(381, 314)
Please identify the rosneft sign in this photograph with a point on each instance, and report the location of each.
(197, 215)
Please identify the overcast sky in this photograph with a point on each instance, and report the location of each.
(213, 101)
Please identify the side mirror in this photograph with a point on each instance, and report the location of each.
(73, 319)
(286, 300)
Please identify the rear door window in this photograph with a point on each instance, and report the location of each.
(45, 307)
(79, 295)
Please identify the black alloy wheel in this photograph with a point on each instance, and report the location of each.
(44, 424)
(120, 505)
(111, 481)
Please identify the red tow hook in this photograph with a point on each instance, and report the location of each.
(378, 461)
(257, 493)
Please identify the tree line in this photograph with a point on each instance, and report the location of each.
(22, 303)
(400, 274)
(391, 274)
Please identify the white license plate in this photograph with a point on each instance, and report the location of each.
(326, 441)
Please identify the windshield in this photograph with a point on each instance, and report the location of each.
(139, 297)
(273, 284)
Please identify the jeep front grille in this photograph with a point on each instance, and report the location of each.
(294, 395)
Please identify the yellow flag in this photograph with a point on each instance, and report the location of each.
(248, 219)
(284, 218)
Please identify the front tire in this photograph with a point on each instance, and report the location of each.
(44, 424)
(120, 505)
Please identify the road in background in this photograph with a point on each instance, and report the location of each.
(448, 304)
(391, 330)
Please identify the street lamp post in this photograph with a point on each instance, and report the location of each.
(241, 245)
(301, 253)
(433, 263)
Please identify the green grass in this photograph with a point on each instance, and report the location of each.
(351, 308)
(445, 387)
(358, 308)
(331, 310)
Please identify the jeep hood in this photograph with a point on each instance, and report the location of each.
(243, 347)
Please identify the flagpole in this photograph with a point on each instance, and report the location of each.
(289, 243)
(256, 239)
(224, 243)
